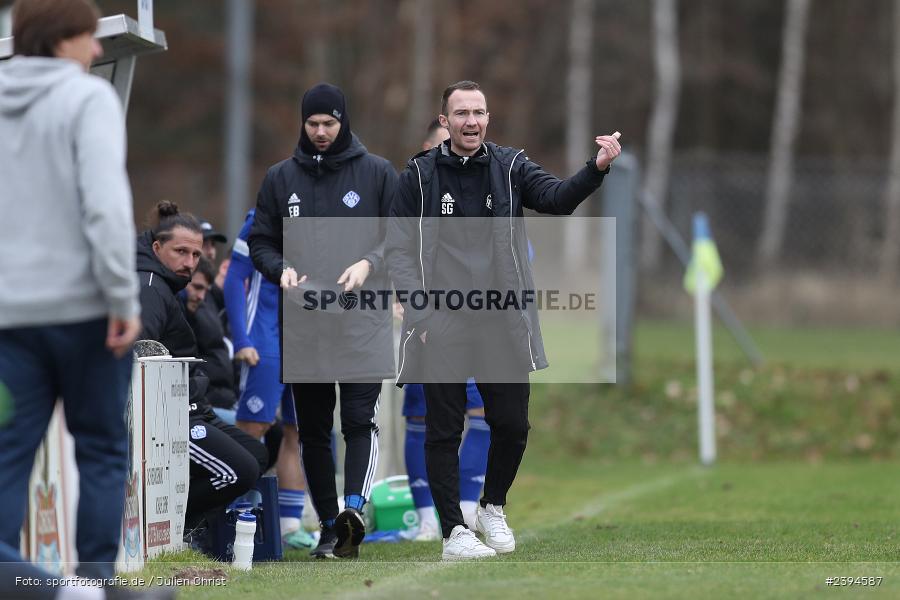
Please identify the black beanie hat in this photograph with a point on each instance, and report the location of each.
(325, 99)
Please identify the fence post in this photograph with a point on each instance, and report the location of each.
(618, 264)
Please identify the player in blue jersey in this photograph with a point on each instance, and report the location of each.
(251, 303)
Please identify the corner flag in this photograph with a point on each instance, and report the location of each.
(704, 257)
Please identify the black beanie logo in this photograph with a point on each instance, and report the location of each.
(337, 114)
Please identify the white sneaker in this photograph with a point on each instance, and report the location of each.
(463, 545)
(428, 532)
(491, 522)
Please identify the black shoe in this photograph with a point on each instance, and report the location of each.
(327, 540)
(351, 529)
(200, 540)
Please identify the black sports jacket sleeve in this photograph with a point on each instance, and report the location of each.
(266, 250)
(546, 193)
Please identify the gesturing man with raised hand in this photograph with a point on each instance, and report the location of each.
(433, 254)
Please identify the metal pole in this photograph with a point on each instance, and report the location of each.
(238, 117)
(145, 19)
(705, 393)
(122, 76)
(5, 21)
(618, 192)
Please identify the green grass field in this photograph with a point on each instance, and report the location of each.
(610, 503)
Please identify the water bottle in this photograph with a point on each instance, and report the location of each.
(244, 531)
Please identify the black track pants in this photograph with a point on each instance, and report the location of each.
(315, 418)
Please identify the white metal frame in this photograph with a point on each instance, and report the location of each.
(122, 42)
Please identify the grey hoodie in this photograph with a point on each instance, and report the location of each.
(67, 243)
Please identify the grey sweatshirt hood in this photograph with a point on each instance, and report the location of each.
(70, 256)
(24, 80)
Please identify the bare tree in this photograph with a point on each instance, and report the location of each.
(319, 53)
(578, 126)
(661, 132)
(890, 245)
(422, 67)
(785, 125)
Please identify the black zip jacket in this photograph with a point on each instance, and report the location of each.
(207, 328)
(161, 316)
(311, 190)
(516, 183)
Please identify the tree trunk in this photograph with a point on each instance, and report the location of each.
(784, 132)
(579, 137)
(890, 245)
(319, 54)
(422, 106)
(661, 131)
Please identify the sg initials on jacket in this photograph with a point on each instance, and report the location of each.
(447, 204)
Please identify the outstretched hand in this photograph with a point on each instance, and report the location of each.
(355, 275)
(609, 149)
(247, 354)
(289, 278)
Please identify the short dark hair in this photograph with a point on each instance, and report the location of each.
(39, 25)
(459, 85)
(433, 126)
(165, 216)
(205, 268)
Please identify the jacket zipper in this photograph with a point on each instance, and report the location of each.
(421, 216)
(421, 266)
(512, 248)
(409, 334)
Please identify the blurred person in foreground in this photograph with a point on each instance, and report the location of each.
(69, 309)
(467, 177)
(336, 187)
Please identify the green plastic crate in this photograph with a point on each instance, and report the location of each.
(390, 506)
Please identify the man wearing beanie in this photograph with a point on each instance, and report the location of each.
(331, 174)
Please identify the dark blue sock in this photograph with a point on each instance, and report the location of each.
(415, 463)
(473, 459)
(354, 501)
(290, 502)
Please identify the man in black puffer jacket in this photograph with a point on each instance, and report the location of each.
(225, 462)
(330, 175)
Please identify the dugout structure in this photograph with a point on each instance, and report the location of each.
(124, 40)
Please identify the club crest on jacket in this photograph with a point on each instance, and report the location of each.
(351, 199)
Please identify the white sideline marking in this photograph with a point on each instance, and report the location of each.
(387, 585)
(606, 501)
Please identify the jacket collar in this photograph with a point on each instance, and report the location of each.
(149, 262)
(425, 161)
(316, 163)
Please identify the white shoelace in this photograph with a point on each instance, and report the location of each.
(497, 521)
(467, 538)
